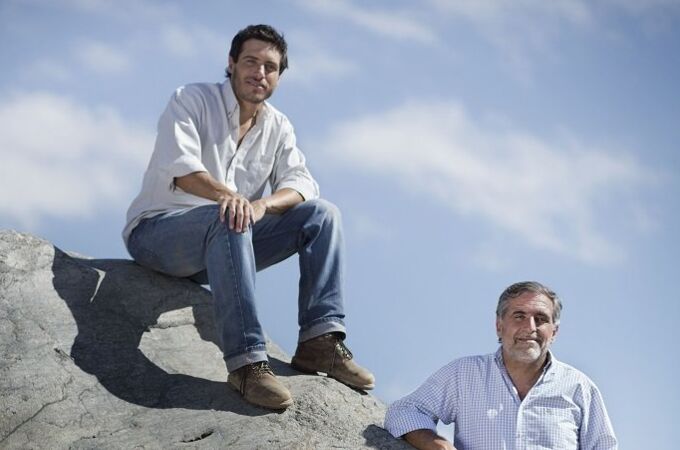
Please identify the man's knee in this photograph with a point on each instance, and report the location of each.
(219, 229)
(322, 210)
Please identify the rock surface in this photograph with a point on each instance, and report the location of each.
(99, 353)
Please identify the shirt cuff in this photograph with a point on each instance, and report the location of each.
(184, 165)
(400, 422)
(308, 191)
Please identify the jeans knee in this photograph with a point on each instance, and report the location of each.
(323, 210)
(221, 229)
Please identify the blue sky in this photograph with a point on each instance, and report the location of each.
(469, 145)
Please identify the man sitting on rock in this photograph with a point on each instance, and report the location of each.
(520, 397)
(202, 213)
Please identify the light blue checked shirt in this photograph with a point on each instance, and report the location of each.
(563, 410)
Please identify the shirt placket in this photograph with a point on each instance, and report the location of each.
(249, 141)
(521, 434)
(517, 444)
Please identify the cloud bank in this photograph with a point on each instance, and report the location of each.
(551, 195)
(64, 159)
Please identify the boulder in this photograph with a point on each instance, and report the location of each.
(102, 353)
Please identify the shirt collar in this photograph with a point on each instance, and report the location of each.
(546, 368)
(232, 107)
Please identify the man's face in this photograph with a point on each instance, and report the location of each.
(256, 73)
(526, 328)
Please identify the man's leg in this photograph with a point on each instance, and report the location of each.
(313, 229)
(196, 241)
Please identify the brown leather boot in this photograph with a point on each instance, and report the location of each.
(258, 385)
(328, 354)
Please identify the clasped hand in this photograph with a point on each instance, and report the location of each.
(240, 212)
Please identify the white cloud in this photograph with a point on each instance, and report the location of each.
(188, 40)
(575, 11)
(310, 63)
(643, 7)
(46, 69)
(103, 58)
(549, 194)
(521, 30)
(143, 11)
(392, 24)
(62, 159)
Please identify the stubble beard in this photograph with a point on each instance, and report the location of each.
(241, 89)
(525, 355)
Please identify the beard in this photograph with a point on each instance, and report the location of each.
(245, 91)
(525, 353)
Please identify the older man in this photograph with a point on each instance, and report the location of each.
(203, 213)
(519, 397)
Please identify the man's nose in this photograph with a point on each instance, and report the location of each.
(531, 323)
(259, 73)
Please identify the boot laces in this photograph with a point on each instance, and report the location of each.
(260, 368)
(343, 350)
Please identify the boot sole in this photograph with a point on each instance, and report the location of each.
(278, 407)
(366, 387)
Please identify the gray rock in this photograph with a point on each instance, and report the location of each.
(99, 353)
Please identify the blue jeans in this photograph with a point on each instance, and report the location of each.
(195, 244)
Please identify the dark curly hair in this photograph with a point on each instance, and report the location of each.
(264, 33)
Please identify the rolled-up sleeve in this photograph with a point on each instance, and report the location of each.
(178, 143)
(290, 170)
(434, 400)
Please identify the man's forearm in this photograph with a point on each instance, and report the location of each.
(281, 201)
(202, 184)
(427, 440)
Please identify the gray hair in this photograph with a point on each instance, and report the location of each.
(534, 287)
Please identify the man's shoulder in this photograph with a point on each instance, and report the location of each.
(198, 89)
(471, 363)
(567, 371)
(276, 116)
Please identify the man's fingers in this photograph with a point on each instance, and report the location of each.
(223, 209)
(252, 215)
(239, 212)
(231, 209)
(240, 207)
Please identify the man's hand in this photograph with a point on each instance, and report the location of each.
(428, 440)
(239, 211)
(259, 209)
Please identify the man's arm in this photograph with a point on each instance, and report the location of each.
(240, 211)
(427, 440)
(415, 416)
(277, 203)
(596, 431)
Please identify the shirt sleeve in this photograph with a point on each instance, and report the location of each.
(290, 170)
(435, 400)
(596, 431)
(178, 143)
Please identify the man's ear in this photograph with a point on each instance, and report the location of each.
(230, 66)
(554, 336)
(498, 328)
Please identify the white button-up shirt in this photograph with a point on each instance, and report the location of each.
(563, 410)
(198, 132)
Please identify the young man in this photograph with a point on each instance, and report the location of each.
(202, 214)
(520, 397)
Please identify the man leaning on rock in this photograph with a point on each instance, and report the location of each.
(520, 397)
(202, 214)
